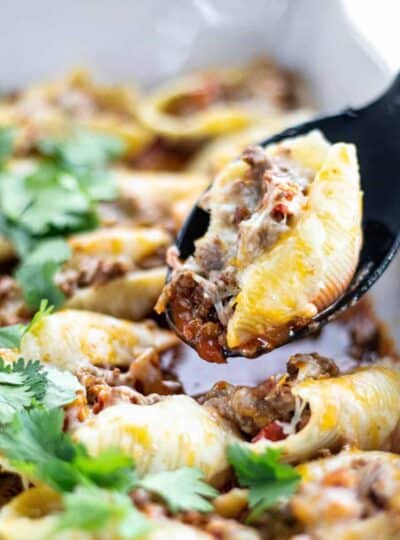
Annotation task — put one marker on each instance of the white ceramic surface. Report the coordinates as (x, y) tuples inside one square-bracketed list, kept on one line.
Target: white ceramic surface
[(155, 39)]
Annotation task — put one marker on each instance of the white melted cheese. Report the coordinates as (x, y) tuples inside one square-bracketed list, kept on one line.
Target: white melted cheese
[(169, 434)]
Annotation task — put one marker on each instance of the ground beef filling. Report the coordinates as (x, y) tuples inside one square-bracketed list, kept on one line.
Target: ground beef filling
[(261, 412), (256, 211), (143, 381), (196, 319), (86, 271), (356, 491), (165, 155), (264, 85)]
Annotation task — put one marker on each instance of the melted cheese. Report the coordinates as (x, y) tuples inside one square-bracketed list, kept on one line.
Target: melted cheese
[(131, 296), (358, 408), (313, 262), (72, 339), (172, 433)]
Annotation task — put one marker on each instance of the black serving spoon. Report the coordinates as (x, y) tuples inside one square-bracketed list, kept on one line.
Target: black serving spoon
[(375, 130)]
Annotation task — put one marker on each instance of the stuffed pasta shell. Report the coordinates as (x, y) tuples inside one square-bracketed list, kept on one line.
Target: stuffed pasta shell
[(283, 244), (218, 101), (156, 197), (116, 270), (49, 109), (352, 495), (73, 339), (213, 157), (171, 433), (313, 407)]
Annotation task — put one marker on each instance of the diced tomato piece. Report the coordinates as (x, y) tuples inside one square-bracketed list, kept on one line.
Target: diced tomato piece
[(272, 432)]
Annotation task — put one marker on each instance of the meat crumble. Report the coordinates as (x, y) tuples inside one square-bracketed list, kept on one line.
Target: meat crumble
[(260, 411)]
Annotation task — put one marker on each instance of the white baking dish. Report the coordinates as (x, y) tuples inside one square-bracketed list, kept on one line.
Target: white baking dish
[(153, 40)]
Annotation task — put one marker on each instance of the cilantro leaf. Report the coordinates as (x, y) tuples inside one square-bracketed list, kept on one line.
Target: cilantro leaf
[(61, 388), (36, 437), (55, 198), (21, 383), (83, 149), (44, 311), (32, 374), (36, 273), (24, 384), (89, 508), (46, 201), (10, 336), (35, 443), (7, 135), (12, 399), (85, 155), (182, 489), (19, 238), (110, 469), (268, 480)]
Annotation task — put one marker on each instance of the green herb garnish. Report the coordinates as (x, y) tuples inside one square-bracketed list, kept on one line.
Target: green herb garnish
[(269, 481)]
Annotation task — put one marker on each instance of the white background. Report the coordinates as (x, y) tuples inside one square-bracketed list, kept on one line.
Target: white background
[(379, 21)]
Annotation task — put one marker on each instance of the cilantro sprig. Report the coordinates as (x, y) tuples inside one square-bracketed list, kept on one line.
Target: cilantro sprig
[(37, 271), (26, 384), (21, 384), (94, 489), (89, 508), (40, 205), (86, 155), (35, 443), (182, 489), (11, 336), (37, 446), (269, 481)]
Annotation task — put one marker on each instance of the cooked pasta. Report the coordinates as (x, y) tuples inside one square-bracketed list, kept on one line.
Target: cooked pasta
[(352, 495), (72, 339), (215, 102), (109, 428), (282, 244), (166, 435)]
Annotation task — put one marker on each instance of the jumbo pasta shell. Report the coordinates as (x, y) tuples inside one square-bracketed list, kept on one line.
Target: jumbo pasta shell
[(329, 511), (311, 265), (131, 296), (137, 243), (357, 408), (215, 120), (167, 435), (71, 339), (218, 153), (43, 111), (159, 197), (217, 102), (282, 244)]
